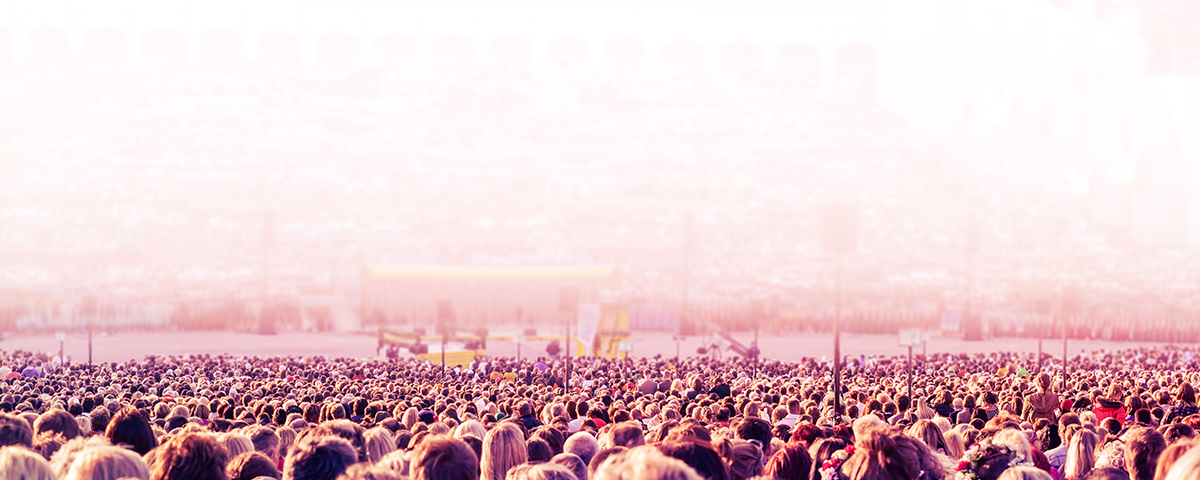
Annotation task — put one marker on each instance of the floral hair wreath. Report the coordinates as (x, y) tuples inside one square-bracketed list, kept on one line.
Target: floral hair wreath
[(969, 466), (831, 469)]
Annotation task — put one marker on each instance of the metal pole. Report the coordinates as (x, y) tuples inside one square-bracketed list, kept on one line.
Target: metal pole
[(567, 379), (837, 342), (62, 359), (910, 375), (89, 345)]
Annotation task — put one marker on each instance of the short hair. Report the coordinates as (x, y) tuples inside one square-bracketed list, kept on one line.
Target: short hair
[(319, 457), (264, 439), (628, 435), (190, 456), (755, 429), (58, 421), (14, 430), (346, 430), (251, 465), (19, 462), (444, 458), (573, 463), (107, 463), (582, 444), (1141, 453), (644, 463)]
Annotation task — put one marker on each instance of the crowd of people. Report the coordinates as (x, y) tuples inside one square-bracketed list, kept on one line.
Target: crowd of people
[(1127, 414)]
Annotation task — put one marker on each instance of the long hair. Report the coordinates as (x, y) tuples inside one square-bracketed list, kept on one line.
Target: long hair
[(1081, 455), (190, 456), (928, 432), (19, 462), (130, 427), (379, 443), (791, 462), (503, 448)]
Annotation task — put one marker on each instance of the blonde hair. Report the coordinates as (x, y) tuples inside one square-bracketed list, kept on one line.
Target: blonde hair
[(287, 437), (644, 463), (439, 428), (108, 463), (22, 463), (1081, 455), (410, 418), (503, 448), (1022, 472), (379, 443), (236, 443), (470, 428), (1014, 439)]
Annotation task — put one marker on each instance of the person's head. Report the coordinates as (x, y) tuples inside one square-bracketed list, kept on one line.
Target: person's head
[(236, 443), (319, 457), (444, 458), (545, 471), (14, 430), (1168, 458), (1081, 455), (190, 456), (791, 462), (644, 463), (1142, 449), (538, 450), (1111, 473), (1025, 473), (601, 457), (130, 427), (755, 430), (378, 443), (264, 439), (1185, 393), (251, 465), (107, 463), (929, 433), (698, 455), (1043, 382), (57, 421), (1187, 467), (571, 462), (628, 435), (21, 463), (582, 444), (503, 448), (883, 454)]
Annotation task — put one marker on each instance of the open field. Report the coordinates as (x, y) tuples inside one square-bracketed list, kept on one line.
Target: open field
[(792, 347)]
